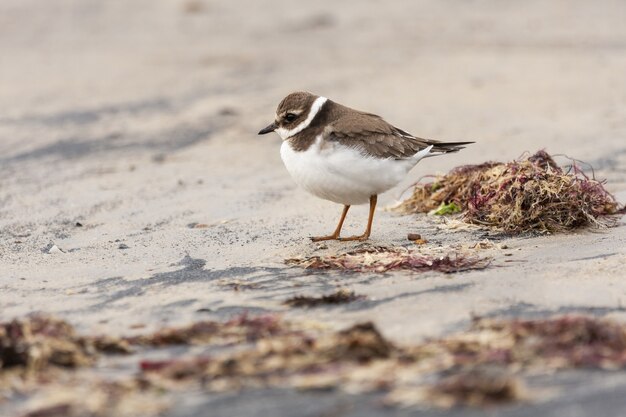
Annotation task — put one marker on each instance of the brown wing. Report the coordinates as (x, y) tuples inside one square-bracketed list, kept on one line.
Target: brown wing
[(373, 136)]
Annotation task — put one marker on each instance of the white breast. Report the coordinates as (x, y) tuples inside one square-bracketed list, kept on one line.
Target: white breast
[(341, 174)]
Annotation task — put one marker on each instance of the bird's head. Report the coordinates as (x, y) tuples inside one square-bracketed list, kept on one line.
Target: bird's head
[(294, 113)]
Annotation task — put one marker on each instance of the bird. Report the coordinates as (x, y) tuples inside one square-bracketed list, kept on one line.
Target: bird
[(344, 155)]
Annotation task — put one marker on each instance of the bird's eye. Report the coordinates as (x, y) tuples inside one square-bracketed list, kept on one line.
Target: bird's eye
[(290, 117)]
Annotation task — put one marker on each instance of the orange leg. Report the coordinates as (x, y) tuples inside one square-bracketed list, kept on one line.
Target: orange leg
[(368, 231), (335, 234)]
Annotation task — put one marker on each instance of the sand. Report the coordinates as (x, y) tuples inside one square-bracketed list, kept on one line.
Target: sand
[(124, 125)]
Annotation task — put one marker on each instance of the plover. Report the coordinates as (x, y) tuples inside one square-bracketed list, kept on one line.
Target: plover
[(344, 155)]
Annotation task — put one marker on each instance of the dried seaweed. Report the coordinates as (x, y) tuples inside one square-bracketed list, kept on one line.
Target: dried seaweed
[(479, 367), (239, 329), (532, 194), (561, 342), (78, 396), (482, 366), (384, 259), (480, 386), (278, 360), (341, 296), (39, 341)]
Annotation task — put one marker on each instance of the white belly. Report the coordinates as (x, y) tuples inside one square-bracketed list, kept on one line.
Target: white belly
[(337, 173)]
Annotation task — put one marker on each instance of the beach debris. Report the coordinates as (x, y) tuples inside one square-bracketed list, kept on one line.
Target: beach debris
[(54, 249), (242, 328), (36, 342), (123, 246), (446, 208), (39, 341), (384, 259), (483, 245), (283, 361), (341, 296), (196, 225), (532, 194), (78, 396), (416, 239), (484, 365), (477, 387), (560, 342), (452, 223), (110, 344)]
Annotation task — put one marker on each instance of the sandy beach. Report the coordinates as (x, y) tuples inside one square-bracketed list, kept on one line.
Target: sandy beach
[(128, 141)]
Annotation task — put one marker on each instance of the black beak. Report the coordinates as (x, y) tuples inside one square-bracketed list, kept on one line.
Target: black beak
[(268, 129)]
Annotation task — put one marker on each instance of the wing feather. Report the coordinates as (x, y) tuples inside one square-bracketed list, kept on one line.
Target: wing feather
[(373, 136)]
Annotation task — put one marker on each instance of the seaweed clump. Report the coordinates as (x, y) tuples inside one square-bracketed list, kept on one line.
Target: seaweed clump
[(532, 194), (301, 360), (37, 342), (482, 366), (560, 342), (480, 386), (242, 328), (384, 259), (342, 296)]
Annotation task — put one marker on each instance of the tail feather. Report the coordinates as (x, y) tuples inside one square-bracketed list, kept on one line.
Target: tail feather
[(437, 146), (448, 147)]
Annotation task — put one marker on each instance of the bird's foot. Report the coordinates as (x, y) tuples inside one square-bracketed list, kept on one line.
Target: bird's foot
[(323, 238), (361, 238)]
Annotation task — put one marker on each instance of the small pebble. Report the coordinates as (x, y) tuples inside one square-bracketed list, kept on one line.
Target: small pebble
[(197, 225), (159, 158), (55, 249), (414, 236), (228, 111), (123, 246)]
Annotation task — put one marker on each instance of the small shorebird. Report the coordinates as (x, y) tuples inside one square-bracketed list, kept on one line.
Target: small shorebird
[(344, 155)]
